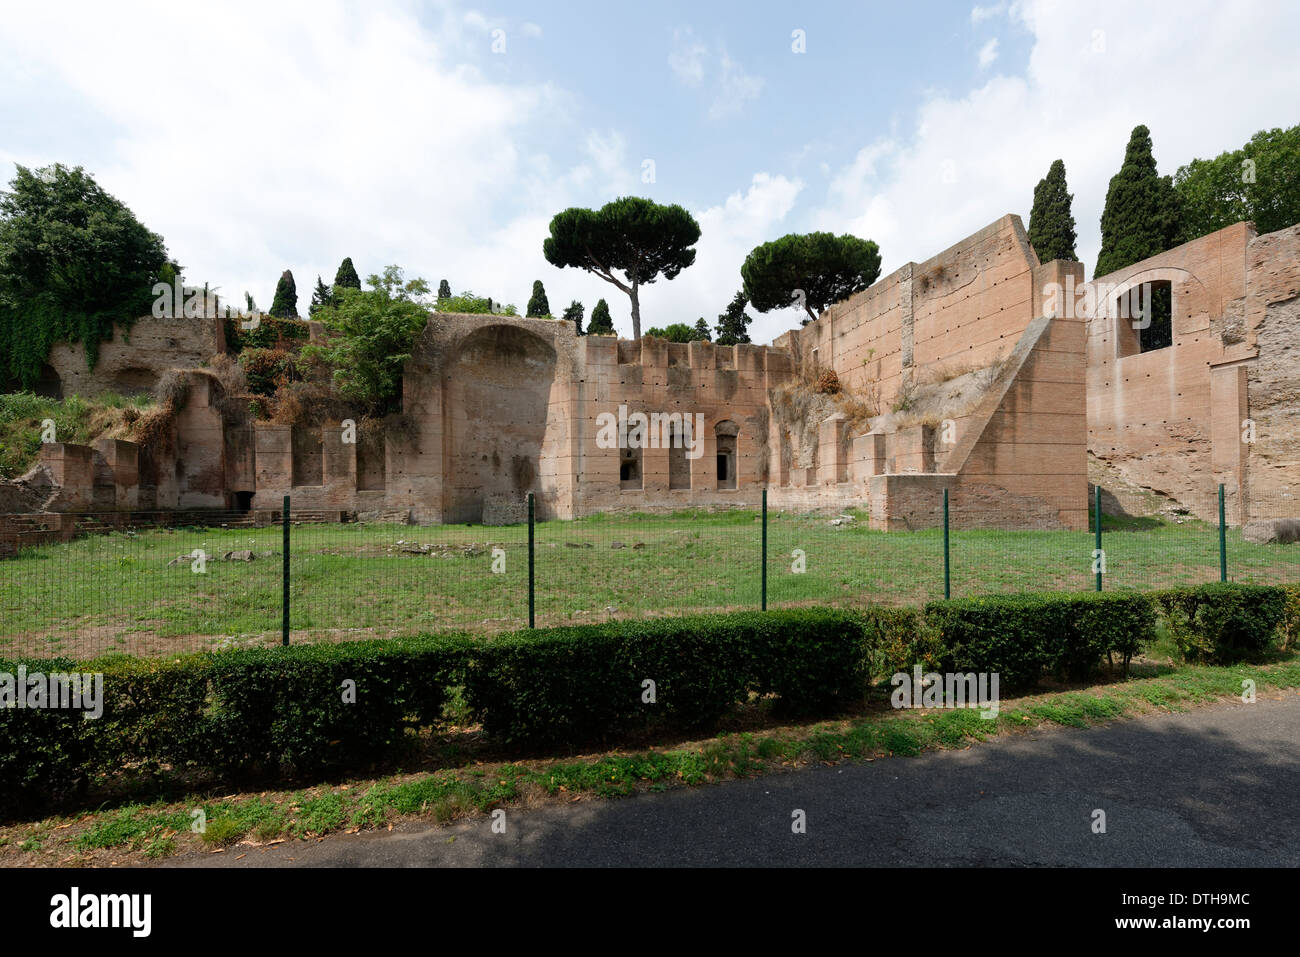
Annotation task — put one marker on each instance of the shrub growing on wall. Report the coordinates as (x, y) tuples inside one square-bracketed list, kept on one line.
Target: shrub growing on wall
[(371, 334), (73, 260), (265, 369)]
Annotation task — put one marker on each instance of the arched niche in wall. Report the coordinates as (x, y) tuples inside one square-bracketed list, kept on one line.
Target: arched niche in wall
[(497, 390)]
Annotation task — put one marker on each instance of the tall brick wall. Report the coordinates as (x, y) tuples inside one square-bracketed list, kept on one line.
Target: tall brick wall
[(1174, 419), (963, 308)]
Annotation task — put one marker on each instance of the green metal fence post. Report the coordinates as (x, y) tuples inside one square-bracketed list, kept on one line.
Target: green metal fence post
[(947, 564), (764, 564), (1223, 540), (531, 581), (1096, 519), (284, 611)]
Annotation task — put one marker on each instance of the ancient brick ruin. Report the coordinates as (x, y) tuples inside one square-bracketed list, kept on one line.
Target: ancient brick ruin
[(972, 372)]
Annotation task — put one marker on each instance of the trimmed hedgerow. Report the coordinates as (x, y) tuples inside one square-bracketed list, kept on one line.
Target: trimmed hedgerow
[(1022, 636), (315, 707), (1289, 629), (230, 713), (43, 751), (1223, 622), (312, 708), (810, 659), (899, 638), (589, 682)]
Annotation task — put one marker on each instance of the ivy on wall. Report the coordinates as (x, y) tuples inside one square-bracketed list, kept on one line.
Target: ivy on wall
[(74, 260)]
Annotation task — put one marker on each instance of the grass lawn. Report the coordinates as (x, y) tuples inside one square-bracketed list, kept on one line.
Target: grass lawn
[(117, 592)]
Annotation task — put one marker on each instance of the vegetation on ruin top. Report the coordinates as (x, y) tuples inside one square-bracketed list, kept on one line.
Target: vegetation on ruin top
[(76, 419)]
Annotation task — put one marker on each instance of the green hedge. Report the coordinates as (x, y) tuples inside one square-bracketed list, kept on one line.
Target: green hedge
[(1223, 623), (276, 710), (232, 713), (274, 707), (586, 682), (43, 752), (1022, 636), (897, 639)]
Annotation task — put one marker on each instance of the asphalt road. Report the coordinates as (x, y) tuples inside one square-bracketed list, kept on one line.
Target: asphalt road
[(1218, 786)]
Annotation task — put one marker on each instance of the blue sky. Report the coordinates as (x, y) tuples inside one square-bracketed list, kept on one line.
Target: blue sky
[(442, 136)]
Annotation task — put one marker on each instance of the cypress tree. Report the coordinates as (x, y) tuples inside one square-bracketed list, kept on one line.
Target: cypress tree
[(320, 298), (701, 330), (537, 304), (1051, 223), (573, 314), (1143, 214), (444, 290), (346, 277), (601, 324), (285, 303), (733, 323)]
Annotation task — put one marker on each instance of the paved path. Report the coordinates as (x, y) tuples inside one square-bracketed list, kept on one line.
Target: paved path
[(1216, 786)]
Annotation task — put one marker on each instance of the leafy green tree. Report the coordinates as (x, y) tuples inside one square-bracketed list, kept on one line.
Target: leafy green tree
[(1142, 214), (444, 290), (1051, 223), (320, 297), (733, 322), (1259, 182), (285, 303), (537, 304), (813, 270), (371, 333), (677, 332), (637, 237), (467, 302), (73, 261), (346, 277), (573, 314), (249, 302), (701, 330), (602, 324)]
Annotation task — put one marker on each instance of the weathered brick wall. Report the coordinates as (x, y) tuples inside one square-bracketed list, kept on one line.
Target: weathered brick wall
[(133, 360), (1173, 420), (963, 308)]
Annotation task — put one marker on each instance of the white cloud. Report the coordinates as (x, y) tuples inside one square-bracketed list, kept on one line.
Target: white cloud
[(988, 53), (687, 57), (979, 14), (691, 61), (378, 143), (1203, 76), (735, 89)]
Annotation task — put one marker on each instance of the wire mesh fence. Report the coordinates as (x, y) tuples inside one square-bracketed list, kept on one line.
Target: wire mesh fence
[(155, 584)]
